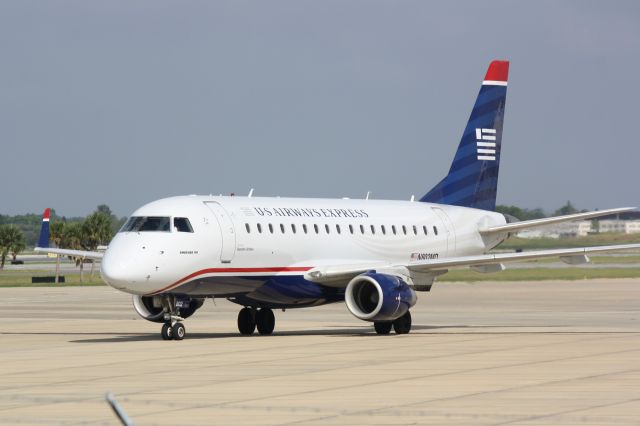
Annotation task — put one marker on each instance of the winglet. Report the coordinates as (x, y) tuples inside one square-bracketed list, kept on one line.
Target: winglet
[(43, 240)]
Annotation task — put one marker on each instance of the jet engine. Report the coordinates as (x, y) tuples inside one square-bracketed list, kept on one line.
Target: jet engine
[(150, 307), (379, 297)]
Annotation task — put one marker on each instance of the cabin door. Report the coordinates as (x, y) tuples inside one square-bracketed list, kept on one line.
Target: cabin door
[(227, 231)]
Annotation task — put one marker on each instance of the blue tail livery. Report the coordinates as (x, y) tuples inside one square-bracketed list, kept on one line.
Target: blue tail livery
[(43, 240), (473, 177)]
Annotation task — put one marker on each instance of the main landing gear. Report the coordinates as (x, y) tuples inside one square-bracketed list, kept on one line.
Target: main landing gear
[(401, 325), (250, 318)]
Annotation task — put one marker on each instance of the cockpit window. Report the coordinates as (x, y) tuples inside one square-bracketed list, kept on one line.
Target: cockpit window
[(147, 224), (182, 224)]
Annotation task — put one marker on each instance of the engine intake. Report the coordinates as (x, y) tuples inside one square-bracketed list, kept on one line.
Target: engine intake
[(150, 307), (379, 297)]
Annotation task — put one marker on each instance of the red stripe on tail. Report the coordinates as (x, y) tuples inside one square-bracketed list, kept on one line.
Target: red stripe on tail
[(498, 71)]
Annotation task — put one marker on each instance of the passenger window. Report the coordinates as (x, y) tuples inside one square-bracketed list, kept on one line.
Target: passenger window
[(415, 230), (271, 228), (373, 230), (315, 227), (424, 229), (182, 224), (435, 230), (282, 228), (384, 231), (393, 229), (293, 228), (351, 229), (259, 228), (304, 227), (246, 225), (362, 229), (326, 227), (404, 230), (338, 228)]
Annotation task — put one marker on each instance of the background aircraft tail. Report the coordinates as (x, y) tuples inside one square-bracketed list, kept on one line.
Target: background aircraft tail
[(43, 240), (473, 177)]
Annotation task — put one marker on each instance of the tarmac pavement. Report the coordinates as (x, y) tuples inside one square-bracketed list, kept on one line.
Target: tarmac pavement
[(538, 353)]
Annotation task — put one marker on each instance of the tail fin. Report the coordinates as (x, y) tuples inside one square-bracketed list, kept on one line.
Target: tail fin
[(473, 178), (43, 240)]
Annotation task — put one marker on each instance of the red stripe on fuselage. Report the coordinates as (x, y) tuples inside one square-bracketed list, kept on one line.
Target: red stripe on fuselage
[(233, 270)]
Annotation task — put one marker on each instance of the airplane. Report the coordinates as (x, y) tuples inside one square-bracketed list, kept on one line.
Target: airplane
[(267, 253)]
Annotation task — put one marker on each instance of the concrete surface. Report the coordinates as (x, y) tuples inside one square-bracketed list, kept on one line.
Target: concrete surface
[(482, 354)]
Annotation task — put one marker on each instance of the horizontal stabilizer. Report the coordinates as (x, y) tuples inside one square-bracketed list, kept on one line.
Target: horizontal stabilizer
[(526, 224)]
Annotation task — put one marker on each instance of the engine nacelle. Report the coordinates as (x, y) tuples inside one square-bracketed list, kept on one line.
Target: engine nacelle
[(150, 307), (379, 297)]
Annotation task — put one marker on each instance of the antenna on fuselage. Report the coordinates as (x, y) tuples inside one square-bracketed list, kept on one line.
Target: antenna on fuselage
[(250, 193), (368, 193), (413, 198)]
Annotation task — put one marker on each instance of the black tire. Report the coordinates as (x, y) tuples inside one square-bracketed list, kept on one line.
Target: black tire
[(166, 332), (266, 321), (403, 324), (246, 321), (383, 327), (179, 331)]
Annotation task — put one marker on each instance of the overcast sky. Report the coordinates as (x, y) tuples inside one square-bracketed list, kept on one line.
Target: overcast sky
[(124, 102)]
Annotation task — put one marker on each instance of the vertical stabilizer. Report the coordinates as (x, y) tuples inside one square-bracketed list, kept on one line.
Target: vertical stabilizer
[(473, 177), (43, 240)]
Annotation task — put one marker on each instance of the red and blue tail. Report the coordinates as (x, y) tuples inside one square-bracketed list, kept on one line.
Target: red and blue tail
[(43, 240), (473, 178)]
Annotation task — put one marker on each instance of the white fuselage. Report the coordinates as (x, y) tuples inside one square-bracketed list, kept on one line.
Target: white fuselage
[(238, 242)]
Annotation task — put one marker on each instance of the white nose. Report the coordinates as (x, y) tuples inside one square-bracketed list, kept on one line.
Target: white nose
[(116, 270)]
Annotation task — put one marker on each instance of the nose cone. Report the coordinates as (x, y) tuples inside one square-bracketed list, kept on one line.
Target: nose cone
[(115, 270), (120, 266)]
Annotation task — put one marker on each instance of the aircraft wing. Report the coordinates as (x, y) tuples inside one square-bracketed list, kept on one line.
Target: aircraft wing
[(526, 224), (339, 275), (67, 252)]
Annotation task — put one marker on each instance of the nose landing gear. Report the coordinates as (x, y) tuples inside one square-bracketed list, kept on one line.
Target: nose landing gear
[(172, 329), (249, 318)]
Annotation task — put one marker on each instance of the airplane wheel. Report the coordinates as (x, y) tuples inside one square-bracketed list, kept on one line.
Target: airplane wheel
[(246, 321), (179, 331), (403, 324), (266, 321), (382, 327), (166, 332)]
